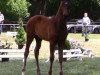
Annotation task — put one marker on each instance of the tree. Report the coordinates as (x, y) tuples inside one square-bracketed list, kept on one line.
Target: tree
[(43, 7), (14, 9), (78, 7), (20, 37), (52, 7), (37, 7)]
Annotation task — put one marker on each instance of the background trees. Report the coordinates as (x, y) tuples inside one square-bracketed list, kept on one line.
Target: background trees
[(92, 7), (12, 9), (44, 7)]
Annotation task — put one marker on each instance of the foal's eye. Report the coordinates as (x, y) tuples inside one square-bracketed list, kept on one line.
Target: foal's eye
[(66, 3)]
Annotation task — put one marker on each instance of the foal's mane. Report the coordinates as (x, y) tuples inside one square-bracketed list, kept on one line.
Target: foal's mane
[(59, 9), (59, 16)]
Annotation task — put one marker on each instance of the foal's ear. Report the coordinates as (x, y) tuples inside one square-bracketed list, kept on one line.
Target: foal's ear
[(63, 0), (66, 0)]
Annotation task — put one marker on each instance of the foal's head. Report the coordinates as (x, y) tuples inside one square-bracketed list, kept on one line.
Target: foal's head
[(65, 7)]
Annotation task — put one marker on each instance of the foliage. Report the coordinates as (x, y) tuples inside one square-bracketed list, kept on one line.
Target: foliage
[(20, 37), (72, 44), (13, 9), (78, 7), (52, 5), (67, 43), (45, 6), (32, 7)]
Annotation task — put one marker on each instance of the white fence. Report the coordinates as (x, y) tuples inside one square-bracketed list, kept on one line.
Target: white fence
[(69, 25), (10, 26), (74, 27)]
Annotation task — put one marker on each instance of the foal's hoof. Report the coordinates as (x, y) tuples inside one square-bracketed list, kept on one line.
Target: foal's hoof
[(50, 73), (61, 73), (23, 73), (38, 73)]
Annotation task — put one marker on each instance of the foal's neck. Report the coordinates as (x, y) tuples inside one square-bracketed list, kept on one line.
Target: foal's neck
[(59, 16)]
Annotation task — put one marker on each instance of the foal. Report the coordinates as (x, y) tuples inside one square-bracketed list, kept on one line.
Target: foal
[(53, 30)]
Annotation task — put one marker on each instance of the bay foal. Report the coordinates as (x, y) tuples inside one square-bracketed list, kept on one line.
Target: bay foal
[(53, 30)]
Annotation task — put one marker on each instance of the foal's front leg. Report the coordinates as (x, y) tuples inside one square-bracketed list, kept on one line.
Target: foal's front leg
[(52, 45), (60, 58)]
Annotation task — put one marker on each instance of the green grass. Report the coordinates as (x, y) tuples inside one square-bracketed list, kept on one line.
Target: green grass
[(72, 67)]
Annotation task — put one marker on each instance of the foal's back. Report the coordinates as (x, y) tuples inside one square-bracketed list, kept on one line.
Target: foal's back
[(42, 26)]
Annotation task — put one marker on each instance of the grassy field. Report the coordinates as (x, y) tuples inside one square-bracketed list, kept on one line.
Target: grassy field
[(72, 67)]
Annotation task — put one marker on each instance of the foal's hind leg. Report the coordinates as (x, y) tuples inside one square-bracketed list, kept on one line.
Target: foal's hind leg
[(36, 52), (29, 41)]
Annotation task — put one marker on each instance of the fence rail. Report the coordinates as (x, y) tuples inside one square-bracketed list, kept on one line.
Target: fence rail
[(82, 25), (69, 24), (11, 24), (78, 28), (66, 24), (10, 27)]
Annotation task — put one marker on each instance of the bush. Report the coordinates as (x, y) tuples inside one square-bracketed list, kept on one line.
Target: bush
[(20, 37), (67, 44)]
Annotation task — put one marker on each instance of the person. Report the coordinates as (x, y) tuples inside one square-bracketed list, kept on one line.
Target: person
[(1, 21), (86, 21)]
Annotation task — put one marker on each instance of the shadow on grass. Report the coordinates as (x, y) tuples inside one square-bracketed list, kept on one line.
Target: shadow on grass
[(73, 67)]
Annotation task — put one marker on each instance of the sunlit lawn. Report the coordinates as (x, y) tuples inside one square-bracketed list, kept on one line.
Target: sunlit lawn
[(78, 36), (93, 43)]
